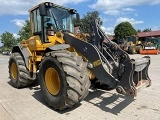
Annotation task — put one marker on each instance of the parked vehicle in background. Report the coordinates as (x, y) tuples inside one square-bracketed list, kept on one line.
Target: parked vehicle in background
[(151, 46), (6, 53), (131, 44), (157, 43)]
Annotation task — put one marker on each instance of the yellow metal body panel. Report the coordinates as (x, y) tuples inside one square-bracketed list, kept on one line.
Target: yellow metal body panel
[(34, 43), (36, 48)]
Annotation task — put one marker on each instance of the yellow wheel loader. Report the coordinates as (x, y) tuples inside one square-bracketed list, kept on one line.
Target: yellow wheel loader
[(65, 64), (132, 45)]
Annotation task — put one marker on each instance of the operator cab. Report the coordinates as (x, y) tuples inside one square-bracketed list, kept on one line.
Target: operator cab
[(131, 39), (48, 18)]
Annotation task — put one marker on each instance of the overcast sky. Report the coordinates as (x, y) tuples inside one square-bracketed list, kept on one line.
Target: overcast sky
[(140, 13)]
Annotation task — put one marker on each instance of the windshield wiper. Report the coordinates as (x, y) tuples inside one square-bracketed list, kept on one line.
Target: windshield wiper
[(56, 21)]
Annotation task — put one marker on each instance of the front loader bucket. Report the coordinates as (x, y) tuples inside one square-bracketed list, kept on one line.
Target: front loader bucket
[(135, 77)]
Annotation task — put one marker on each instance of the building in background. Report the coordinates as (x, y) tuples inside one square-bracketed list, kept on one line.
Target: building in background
[(143, 35)]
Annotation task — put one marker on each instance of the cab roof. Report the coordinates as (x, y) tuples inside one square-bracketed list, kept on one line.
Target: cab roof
[(49, 3)]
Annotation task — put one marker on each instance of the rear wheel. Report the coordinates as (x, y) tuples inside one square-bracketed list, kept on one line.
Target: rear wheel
[(132, 50), (18, 72), (64, 79), (139, 48)]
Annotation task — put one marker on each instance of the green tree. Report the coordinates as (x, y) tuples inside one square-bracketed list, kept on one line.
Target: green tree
[(124, 29), (139, 30), (8, 40), (87, 19), (147, 30), (25, 31)]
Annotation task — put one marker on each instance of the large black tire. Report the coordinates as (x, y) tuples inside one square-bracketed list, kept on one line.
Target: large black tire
[(131, 49), (71, 76), (18, 72), (139, 48)]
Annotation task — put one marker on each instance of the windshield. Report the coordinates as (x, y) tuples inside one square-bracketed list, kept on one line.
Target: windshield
[(62, 19), (131, 39), (157, 40)]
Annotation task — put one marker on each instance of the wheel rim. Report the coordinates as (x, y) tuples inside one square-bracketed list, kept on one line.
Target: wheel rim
[(52, 81), (14, 71), (134, 50)]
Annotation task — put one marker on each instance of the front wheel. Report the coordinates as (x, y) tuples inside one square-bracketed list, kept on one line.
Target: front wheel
[(64, 79), (132, 50), (139, 48)]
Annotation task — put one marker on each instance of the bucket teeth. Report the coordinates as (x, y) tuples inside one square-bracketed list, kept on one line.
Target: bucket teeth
[(135, 77)]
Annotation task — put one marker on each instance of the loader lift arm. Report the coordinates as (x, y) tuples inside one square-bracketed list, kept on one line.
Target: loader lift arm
[(110, 64)]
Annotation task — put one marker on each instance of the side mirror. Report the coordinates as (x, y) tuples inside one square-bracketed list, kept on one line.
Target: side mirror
[(78, 17), (42, 10)]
